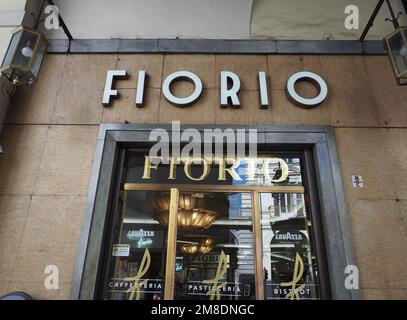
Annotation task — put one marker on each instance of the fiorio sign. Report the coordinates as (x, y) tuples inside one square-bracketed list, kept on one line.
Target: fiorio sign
[(229, 88), (251, 168)]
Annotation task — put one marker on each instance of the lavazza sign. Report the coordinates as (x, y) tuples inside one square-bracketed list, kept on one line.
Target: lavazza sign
[(229, 88)]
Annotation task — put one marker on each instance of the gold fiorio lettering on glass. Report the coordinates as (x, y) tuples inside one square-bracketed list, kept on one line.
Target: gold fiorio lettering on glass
[(173, 171), (297, 275), (284, 170), (148, 165), (137, 282), (226, 167), (223, 169), (214, 292), (188, 168)]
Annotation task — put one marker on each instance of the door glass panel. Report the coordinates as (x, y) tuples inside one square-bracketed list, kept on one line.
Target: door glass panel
[(264, 170), (214, 258), (136, 265), (289, 261)]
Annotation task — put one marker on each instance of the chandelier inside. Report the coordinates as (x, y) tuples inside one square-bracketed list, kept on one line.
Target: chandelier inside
[(203, 247), (195, 218), (195, 210)]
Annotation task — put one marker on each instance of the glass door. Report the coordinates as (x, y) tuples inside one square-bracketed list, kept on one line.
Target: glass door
[(250, 236), (214, 254), (137, 257), (171, 244), (289, 259)]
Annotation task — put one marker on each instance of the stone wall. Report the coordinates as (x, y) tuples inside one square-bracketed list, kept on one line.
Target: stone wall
[(51, 129)]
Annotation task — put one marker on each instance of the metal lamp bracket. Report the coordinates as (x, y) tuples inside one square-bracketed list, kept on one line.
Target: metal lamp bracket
[(395, 19)]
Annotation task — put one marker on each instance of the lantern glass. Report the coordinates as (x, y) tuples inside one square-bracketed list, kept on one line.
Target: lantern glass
[(396, 45), (12, 48), (25, 51), (24, 56), (42, 48)]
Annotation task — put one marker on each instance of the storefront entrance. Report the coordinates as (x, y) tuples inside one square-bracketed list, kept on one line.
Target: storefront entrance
[(267, 226), (245, 233)]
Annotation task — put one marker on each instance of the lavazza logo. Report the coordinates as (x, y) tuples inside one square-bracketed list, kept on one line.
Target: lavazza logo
[(289, 236), (136, 234)]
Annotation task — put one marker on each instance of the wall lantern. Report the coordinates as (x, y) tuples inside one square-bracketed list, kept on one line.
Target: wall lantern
[(396, 45), (24, 56)]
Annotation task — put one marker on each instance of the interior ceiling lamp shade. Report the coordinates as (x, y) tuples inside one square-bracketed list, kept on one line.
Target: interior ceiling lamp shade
[(205, 246), (194, 210)]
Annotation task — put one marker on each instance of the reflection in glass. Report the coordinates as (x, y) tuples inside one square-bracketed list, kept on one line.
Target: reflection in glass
[(25, 50), (288, 255), (399, 51), (214, 258), (216, 262), (138, 252), (265, 170)]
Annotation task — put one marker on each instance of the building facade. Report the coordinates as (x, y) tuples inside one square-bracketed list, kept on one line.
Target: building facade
[(79, 192)]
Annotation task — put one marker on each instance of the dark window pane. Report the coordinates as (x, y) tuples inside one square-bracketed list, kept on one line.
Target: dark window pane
[(288, 253), (216, 261), (138, 252)]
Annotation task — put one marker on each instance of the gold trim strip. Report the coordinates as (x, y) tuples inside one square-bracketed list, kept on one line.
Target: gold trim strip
[(171, 246), (213, 188), (258, 248)]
